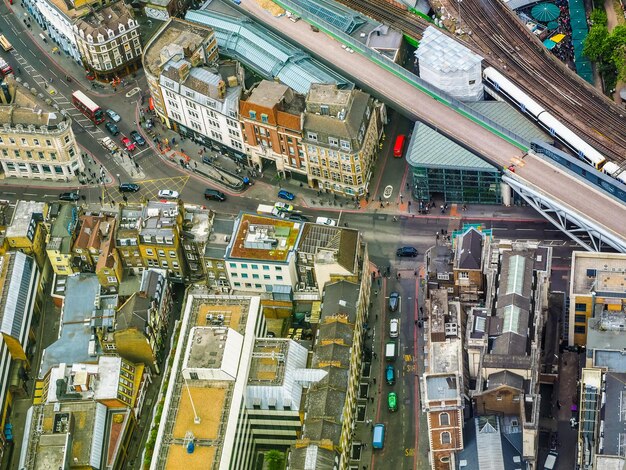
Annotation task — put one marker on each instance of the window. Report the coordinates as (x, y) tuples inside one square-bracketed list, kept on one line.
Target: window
[(258, 286), (444, 419), (580, 319), (279, 278), (333, 142), (581, 307), (172, 254), (345, 144), (324, 110), (244, 275), (253, 115), (255, 276), (264, 118), (463, 275), (244, 266), (149, 252), (446, 438), (579, 329), (266, 268), (311, 136), (266, 277), (233, 265), (111, 279), (278, 268), (254, 266), (237, 284)]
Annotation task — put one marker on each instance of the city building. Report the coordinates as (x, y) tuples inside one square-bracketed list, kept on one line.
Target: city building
[(443, 383), (597, 289), (341, 132), (508, 337), (127, 237), (272, 116), (37, 140), (64, 219), (327, 254), (138, 332), (76, 434), (27, 232), (261, 257), (188, 40), (84, 310), (205, 402), (109, 42), (20, 304), (197, 223), (332, 400), (471, 248), (160, 246), (164, 10), (214, 251), (439, 268)]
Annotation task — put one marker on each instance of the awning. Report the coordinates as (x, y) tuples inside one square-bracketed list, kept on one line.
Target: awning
[(549, 43), (545, 12), (557, 38)]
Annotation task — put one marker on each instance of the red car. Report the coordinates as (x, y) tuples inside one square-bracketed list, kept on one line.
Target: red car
[(128, 144)]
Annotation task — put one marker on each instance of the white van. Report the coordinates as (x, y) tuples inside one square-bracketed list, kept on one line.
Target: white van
[(550, 461), (393, 327)]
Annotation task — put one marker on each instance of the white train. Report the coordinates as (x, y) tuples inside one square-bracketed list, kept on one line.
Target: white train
[(555, 127)]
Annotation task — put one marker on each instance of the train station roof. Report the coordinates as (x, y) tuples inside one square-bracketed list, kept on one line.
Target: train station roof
[(511, 119), (333, 13), (259, 49)]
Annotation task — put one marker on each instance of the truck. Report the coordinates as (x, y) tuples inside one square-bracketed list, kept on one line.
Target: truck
[(390, 351), (266, 209), (108, 144), (378, 439)]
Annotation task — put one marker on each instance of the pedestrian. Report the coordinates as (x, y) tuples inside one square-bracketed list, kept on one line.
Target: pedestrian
[(558, 404), (376, 293), (372, 399), (416, 322), (415, 273), (376, 320), (374, 380)]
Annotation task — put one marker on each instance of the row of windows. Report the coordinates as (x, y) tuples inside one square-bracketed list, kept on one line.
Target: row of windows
[(248, 285), (150, 251), (164, 264), (332, 141), (316, 152), (29, 154), (33, 168), (265, 267), (266, 277), (35, 142)]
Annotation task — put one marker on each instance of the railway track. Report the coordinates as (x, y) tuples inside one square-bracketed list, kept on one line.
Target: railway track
[(504, 42)]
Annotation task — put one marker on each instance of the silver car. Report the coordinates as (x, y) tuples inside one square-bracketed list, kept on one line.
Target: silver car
[(113, 115)]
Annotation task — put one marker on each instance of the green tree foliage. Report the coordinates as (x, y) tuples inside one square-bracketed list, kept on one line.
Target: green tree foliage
[(596, 42), (274, 460), (598, 17), (607, 48)]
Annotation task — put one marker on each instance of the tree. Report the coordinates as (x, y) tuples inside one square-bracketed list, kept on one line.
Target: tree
[(596, 43), (274, 460), (598, 17)]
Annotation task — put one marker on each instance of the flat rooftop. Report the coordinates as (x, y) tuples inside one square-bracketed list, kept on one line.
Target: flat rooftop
[(602, 272), (22, 215), (159, 219), (441, 387), (264, 238), (268, 367)]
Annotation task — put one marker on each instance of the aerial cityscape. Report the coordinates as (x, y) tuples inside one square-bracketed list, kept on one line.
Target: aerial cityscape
[(313, 235)]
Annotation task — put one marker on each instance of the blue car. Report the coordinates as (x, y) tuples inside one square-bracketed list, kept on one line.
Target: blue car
[(284, 194)]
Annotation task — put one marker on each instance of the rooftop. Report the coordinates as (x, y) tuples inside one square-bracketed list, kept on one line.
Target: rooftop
[(18, 275), (598, 272), (441, 387), (24, 212), (269, 94), (606, 332), (83, 307), (221, 232), (340, 299), (330, 245), (264, 238), (266, 53), (160, 219), (441, 52), (104, 19), (62, 228), (188, 35), (469, 250), (25, 108)]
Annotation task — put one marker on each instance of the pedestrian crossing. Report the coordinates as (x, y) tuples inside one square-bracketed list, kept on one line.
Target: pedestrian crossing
[(53, 96)]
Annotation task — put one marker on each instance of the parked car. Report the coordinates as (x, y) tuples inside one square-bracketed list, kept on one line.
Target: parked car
[(406, 251), (128, 144), (214, 195), (168, 194), (284, 194), (129, 188), (392, 401), (390, 375), (113, 115), (69, 197), (298, 217), (138, 138), (394, 325), (283, 206), (112, 128), (326, 221), (394, 301)]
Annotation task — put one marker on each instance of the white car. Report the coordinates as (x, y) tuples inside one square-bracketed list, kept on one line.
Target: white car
[(283, 207), (168, 194), (326, 221), (393, 328)]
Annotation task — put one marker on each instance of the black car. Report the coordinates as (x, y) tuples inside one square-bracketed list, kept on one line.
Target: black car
[(129, 188), (138, 138), (214, 195), (112, 128), (298, 217), (394, 301), (406, 251), (69, 197)]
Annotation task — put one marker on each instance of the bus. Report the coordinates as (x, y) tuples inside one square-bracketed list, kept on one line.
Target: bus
[(86, 106), (5, 44), (398, 148)]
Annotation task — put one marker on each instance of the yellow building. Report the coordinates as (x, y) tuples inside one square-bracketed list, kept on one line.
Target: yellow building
[(597, 287), (59, 241), (159, 238), (27, 232), (127, 237)]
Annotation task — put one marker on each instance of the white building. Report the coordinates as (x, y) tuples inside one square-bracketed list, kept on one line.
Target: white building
[(57, 19), (450, 66), (203, 102), (261, 256)]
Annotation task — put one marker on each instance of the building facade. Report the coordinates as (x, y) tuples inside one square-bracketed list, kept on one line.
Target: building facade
[(61, 239), (127, 237), (27, 232), (272, 116), (37, 142), (109, 42), (341, 132)]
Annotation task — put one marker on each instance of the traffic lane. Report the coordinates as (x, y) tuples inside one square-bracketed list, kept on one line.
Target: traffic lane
[(400, 425)]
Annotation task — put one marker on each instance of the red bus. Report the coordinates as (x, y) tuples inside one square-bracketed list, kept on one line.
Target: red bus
[(86, 106), (398, 148)]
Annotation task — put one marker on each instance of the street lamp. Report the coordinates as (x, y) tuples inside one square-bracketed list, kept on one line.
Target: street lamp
[(118, 178)]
